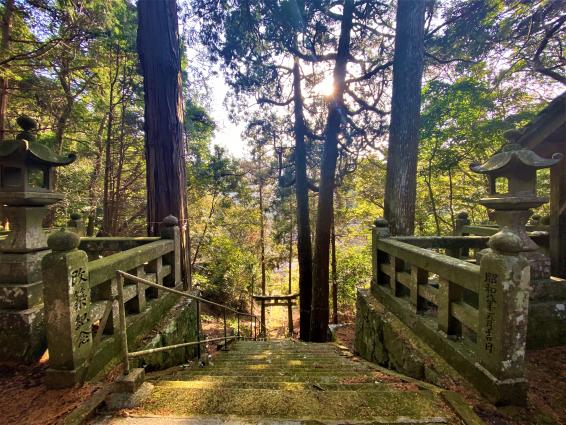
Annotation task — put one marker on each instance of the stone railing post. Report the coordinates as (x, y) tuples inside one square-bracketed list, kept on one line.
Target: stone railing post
[(76, 224), (380, 230), (503, 312), (170, 230), (67, 309), (460, 222)]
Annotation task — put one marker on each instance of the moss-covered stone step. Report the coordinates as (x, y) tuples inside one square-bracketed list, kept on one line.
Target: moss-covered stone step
[(232, 420), (393, 405), (321, 378), (289, 386), (289, 362), (279, 356), (284, 346), (269, 374)]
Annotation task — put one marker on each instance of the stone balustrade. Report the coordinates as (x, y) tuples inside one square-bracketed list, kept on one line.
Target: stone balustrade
[(475, 316), (77, 292)]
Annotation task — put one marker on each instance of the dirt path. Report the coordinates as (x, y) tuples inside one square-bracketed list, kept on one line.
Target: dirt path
[(24, 398)]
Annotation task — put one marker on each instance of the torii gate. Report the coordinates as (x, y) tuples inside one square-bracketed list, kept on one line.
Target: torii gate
[(276, 301)]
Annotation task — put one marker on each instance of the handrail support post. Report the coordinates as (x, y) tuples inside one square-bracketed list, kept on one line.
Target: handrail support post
[(122, 316)]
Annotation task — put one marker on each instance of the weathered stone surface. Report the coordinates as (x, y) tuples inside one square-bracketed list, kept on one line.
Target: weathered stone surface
[(547, 324), (384, 339), (141, 328), (21, 268), (177, 327), (23, 336), (20, 296), (27, 232), (128, 400), (442, 358), (503, 313), (131, 382), (67, 307)]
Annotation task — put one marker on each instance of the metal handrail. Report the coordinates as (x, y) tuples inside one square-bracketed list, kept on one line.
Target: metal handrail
[(121, 276)]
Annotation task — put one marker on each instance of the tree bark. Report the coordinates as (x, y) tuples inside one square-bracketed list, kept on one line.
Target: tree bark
[(4, 84), (160, 58), (320, 301), (334, 276), (401, 181), (93, 180), (262, 243), (109, 165), (290, 248), (304, 245)]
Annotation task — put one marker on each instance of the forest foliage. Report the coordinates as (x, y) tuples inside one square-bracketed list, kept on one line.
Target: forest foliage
[(490, 65)]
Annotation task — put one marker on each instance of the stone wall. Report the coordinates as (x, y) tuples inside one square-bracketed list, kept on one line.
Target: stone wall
[(383, 339), (177, 327)]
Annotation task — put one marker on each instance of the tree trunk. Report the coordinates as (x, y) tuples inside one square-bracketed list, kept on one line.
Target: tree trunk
[(262, 243), (334, 276), (290, 248), (320, 302), (203, 235), (93, 180), (107, 208), (160, 58), (304, 245), (4, 84), (401, 182)]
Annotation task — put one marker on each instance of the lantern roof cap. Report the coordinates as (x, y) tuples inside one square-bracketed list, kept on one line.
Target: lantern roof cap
[(35, 151), (512, 154)]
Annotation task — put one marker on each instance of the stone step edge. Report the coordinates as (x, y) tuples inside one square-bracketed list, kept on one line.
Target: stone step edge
[(256, 420), (300, 386)]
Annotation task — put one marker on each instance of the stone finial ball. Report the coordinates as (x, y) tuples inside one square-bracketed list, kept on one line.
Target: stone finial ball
[(26, 123), (62, 240), (506, 241), (463, 215), (381, 222), (76, 216), (171, 221)]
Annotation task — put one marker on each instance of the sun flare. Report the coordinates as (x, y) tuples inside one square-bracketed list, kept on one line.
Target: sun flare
[(325, 87)]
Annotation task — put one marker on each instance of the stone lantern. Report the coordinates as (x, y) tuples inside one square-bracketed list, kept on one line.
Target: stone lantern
[(27, 168), (26, 189), (512, 176)]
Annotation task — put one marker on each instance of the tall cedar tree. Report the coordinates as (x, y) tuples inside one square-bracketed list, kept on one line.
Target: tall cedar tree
[(304, 246), (158, 48), (6, 29), (336, 115), (401, 182)]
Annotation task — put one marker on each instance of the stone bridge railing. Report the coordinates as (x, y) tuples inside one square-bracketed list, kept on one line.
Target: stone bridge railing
[(78, 291), (472, 315)]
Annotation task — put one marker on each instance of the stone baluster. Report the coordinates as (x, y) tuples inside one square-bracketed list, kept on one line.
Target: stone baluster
[(448, 293), (460, 222), (503, 312), (67, 309), (170, 230), (155, 267), (379, 231)]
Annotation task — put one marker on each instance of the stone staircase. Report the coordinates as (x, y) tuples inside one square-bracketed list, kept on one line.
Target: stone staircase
[(288, 382)]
